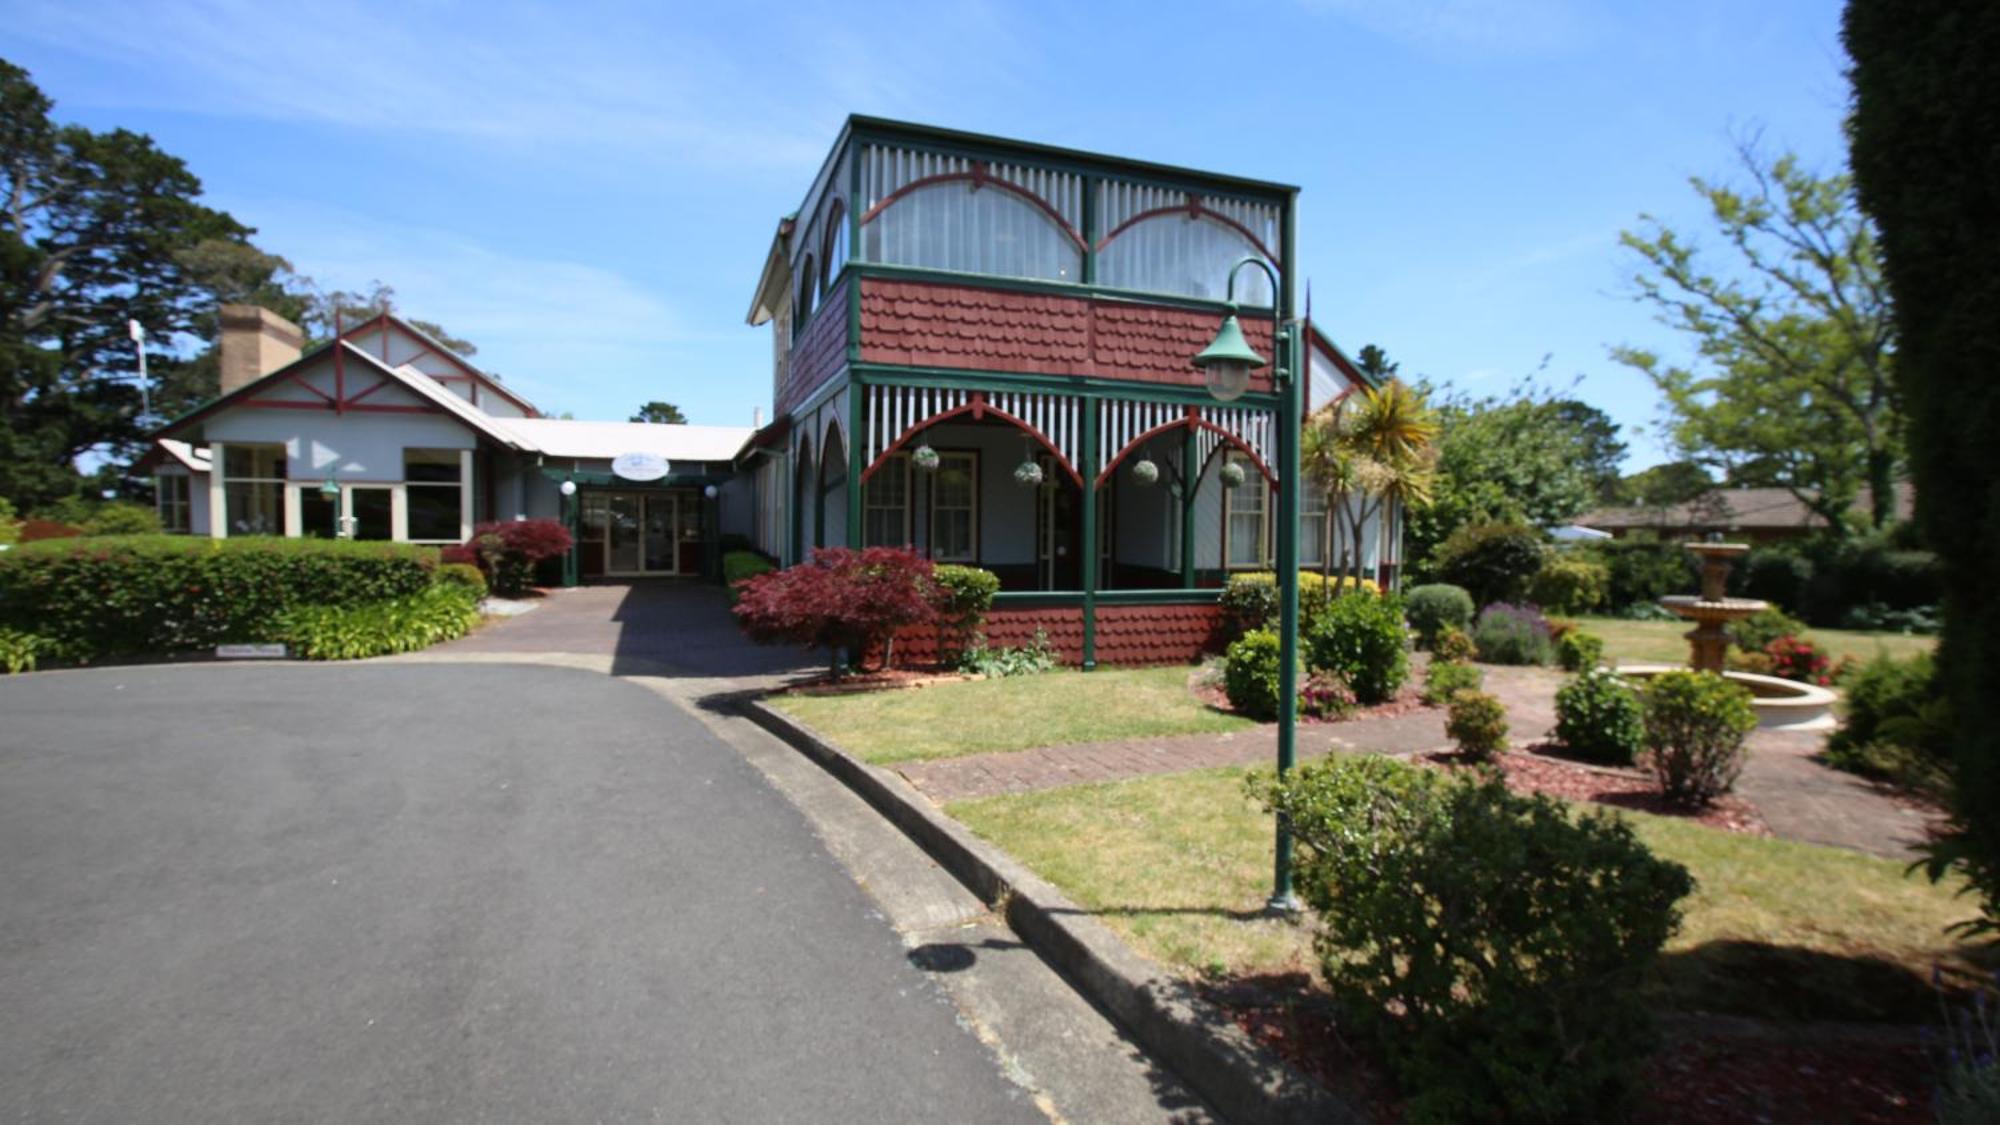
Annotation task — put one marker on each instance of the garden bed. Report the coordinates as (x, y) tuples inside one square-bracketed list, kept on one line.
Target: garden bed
[(1540, 769)]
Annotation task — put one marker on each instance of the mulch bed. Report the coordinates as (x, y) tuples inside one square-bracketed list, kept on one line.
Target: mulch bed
[(1715, 1079), (882, 679), (1410, 699), (1535, 770)]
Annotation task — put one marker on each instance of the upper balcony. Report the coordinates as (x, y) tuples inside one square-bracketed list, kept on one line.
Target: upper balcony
[(1073, 242)]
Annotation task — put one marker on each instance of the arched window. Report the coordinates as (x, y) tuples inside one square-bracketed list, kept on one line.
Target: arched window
[(1184, 252), (802, 304), (833, 257), (972, 226)]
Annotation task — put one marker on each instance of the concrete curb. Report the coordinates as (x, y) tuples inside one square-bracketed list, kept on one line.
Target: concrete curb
[(1240, 1078)]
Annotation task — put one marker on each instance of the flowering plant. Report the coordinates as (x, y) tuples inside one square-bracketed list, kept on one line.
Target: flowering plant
[(1795, 658)]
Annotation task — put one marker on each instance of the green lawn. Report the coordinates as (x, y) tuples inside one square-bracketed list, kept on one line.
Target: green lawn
[(1665, 642), (948, 720), (1181, 863)]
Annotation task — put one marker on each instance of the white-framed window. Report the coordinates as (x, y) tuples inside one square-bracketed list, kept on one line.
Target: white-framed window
[(955, 507), (253, 489), (885, 505), (971, 227), (171, 493), (435, 482), (802, 305), (835, 258), (1246, 518), (1312, 527)]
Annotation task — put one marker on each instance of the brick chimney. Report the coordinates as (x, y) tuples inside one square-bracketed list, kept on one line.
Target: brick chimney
[(255, 342)]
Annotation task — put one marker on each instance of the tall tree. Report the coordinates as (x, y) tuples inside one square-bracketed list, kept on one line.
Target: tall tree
[(1794, 335), (1926, 155), (1375, 363), (664, 412), (1528, 456), (326, 311), (93, 229)]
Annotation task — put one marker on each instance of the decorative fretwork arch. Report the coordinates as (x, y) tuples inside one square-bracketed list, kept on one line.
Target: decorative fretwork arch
[(896, 415), (1125, 426)]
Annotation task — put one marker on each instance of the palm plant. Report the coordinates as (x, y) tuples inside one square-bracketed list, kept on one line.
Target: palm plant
[(1372, 451)]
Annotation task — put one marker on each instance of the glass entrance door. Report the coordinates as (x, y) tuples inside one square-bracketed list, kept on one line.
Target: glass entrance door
[(639, 534)]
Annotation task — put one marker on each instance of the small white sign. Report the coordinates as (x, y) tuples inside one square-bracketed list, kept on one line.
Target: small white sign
[(251, 652), (639, 466)]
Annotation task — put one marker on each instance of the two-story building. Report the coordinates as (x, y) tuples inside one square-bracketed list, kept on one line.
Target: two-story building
[(982, 349)]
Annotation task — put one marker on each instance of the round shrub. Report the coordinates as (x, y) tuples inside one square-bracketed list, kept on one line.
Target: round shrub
[(1477, 723), (1752, 633), (1360, 637), (1436, 607), (964, 594), (1512, 634), (464, 576), (1577, 650), (1446, 678), (1571, 584), (1250, 675), (1530, 1007), (1695, 726), (1493, 561), (1599, 719), (1454, 646)]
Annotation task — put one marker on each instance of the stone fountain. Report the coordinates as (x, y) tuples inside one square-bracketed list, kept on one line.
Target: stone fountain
[(1780, 704)]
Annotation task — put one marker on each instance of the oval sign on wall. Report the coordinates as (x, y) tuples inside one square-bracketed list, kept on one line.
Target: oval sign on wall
[(639, 466)]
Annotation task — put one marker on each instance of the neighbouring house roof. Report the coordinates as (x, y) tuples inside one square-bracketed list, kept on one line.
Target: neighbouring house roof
[(1726, 508), (598, 441)]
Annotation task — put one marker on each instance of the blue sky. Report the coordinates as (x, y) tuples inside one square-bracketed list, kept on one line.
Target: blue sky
[(587, 191)]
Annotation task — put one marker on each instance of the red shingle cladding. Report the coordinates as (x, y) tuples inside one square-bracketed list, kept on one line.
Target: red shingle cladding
[(926, 324), (1127, 635), (818, 354)]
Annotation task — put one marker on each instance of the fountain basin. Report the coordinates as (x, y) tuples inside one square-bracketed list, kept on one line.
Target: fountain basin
[(1780, 704)]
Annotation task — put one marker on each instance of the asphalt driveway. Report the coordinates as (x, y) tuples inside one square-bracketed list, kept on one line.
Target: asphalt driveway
[(435, 892)]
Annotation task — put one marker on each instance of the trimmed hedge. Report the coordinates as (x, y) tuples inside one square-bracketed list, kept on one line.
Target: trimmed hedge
[(1436, 607), (1250, 599), (91, 598), (1361, 638), (356, 632)]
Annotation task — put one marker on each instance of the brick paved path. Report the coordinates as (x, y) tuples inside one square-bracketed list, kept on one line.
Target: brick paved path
[(1800, 799)]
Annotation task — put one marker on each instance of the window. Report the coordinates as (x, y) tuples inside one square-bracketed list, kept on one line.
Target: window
[(170, 496), (802, 305), (972, 228), (885, 505), (1312, 527), (955, 508), (835, 258), (1189, 256), (253, 489), (434, 481), (319, 514), (1245, 525)]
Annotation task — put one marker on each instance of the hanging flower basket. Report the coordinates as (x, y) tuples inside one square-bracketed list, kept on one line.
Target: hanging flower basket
[(925, 458), (1232, 475), (1027, 474), (1145, 472)]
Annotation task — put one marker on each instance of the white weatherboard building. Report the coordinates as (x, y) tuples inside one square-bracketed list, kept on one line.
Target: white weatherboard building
[(386, 434)]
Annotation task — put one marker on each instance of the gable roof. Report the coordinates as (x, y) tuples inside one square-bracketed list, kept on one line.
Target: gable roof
[(418, 383), (484, 378)]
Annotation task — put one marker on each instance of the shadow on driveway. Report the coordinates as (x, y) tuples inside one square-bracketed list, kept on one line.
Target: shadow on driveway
[(659, 627)]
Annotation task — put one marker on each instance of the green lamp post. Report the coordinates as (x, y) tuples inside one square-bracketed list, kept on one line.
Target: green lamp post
[(569, 563), (1226, 363), (331, 491)]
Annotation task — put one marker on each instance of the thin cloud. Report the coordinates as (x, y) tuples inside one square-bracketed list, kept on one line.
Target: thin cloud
[(545, 324)]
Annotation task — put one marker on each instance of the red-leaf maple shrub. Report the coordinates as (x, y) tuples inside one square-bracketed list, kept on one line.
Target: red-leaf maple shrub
[(839, 599), (506, 551)]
